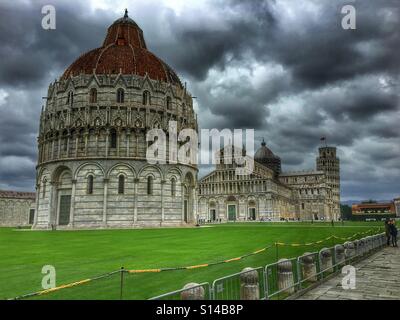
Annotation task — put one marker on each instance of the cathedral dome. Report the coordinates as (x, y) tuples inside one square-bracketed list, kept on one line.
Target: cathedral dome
[(123, 51), (266, 157), (263, 153)]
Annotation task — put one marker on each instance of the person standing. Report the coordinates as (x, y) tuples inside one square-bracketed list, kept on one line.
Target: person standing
[(387, 231), (393, 233)]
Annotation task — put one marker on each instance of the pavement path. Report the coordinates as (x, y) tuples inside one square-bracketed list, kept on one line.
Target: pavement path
[(377, 278)]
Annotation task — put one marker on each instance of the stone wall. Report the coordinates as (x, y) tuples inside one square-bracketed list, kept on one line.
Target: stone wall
[(15, 208)]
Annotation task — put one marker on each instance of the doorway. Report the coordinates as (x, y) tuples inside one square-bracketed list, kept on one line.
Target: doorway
[(212, 215), (252, 214), (232, 212), (64, 210)]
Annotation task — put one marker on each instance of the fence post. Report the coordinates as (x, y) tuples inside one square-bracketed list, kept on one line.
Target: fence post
[(122, 271), (326, 260), (285, 276), (249, 285), (194, 292), (349, 250), (309, 270), (339, 256)]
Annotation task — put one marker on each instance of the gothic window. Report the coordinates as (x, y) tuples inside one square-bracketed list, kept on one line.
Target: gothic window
[(90, 184), (93, 95), (121, 184), (149, 185), (113, 139), (169, 106), (120, 96), (146, 98), (173, 187), (70, 98), (302, 206)]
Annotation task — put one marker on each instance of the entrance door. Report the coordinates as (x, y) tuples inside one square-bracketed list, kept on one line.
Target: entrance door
[(31, 216), (185, 211), (212, 215), (231, 212), (65, 208), (252, 214)]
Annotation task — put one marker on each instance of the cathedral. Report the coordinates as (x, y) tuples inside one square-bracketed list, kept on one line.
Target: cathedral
[(93, 170), (268, 194)]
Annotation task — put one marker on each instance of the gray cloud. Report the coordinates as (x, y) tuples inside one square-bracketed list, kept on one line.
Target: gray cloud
[(285, 68)]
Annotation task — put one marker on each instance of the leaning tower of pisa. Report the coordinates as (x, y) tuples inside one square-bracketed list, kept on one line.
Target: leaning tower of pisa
[(328, 162)]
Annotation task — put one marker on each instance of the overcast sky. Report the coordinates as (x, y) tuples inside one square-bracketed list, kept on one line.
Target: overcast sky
[(285, 68)]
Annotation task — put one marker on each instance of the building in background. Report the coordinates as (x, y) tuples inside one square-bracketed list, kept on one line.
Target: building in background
[(16, 208), (268, 193), (373, 210)]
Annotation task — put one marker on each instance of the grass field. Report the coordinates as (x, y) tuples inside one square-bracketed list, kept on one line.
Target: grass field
[(78, 255)]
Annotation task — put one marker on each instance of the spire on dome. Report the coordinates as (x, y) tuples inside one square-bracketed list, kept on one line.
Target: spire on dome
[(263, 143), (126, 13)]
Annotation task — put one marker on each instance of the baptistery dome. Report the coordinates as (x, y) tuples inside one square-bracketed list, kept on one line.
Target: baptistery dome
[(93, 169), (123, 51)]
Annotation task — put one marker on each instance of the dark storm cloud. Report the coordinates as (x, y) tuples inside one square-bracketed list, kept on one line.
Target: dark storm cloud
[(285, 68), (29, 53)]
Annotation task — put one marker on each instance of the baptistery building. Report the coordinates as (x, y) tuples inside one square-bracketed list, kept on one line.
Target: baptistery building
[(92, 168)]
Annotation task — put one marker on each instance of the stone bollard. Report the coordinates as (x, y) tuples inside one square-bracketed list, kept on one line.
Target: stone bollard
[(285, 276), (326, 259), (309, 269), (349, 250), (339, 255), (197, 293), (356, 247), (361, 244), (249, 286)]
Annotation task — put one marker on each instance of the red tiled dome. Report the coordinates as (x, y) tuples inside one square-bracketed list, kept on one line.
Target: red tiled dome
[(124, 50)]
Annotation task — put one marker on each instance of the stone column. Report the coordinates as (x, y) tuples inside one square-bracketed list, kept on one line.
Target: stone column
[(76, 145), (59, 147), (135, 212), (52, 206), (128, 141), (249, 285), (107, 137), (183, 201), (105, 202), (67, 156), (309, 269), (162, 200), (72, 211), (193, 292), (86, 142), (349, 250), (285, 276), (326, 260), (339, 255), (37, 197)]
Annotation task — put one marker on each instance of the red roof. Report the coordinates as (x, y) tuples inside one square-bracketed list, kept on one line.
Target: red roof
[(124, 50), (17, 195)]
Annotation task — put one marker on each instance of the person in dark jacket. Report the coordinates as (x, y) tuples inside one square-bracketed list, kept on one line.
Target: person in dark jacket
[(387, 231), (393, 233)]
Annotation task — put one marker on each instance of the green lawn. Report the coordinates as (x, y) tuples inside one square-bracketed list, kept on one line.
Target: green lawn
[(78, 255)]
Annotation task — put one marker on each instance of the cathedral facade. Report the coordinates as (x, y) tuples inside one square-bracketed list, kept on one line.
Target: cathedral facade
[(268, 194), (92, 168)]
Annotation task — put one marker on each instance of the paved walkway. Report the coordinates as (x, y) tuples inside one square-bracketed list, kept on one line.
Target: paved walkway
[(377, 278)]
